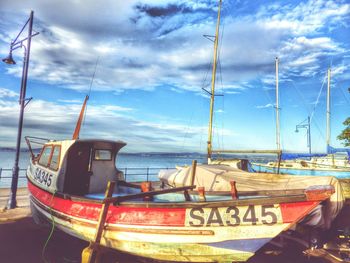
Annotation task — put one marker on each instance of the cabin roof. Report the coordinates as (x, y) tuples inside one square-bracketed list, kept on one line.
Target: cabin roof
[(67, 144), (101, 140), (120, 143)]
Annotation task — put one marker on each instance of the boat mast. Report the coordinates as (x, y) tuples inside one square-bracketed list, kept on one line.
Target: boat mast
[(328, 136), (278, 143), (80, 120), (212, 94)]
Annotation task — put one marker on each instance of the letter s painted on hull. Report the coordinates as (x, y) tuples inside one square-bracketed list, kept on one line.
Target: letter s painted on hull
[(197, 214)]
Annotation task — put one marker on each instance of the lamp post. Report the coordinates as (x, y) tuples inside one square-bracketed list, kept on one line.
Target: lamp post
[(308, 130), (15, 44)]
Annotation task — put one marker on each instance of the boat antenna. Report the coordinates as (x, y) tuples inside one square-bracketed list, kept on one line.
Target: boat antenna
[(212, 94), (92, 80), (83, 110)]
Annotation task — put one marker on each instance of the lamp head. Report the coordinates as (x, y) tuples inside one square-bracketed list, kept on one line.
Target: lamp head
[(9, 59), (296, 130)]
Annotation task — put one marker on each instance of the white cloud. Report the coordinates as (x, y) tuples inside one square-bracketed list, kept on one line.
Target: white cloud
[(141, 51), (338, 70), (269, 105), (6, 93), (55, 121)]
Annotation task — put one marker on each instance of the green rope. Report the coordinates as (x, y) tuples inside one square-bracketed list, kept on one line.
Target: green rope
[(51, 232)]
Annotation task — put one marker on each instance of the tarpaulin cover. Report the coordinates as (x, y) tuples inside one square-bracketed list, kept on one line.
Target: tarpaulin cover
[(218, 177)]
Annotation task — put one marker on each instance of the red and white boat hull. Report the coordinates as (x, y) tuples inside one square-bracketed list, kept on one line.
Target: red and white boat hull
[(195, 233)]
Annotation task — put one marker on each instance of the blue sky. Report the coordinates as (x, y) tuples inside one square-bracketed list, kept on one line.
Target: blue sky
[(153, 62)]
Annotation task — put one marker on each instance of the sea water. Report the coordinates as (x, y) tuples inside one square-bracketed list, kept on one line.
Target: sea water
[(135, 166)]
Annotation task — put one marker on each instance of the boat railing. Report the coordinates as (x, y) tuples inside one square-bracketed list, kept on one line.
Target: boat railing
[(138, 174), (131, 174), (6, 173)]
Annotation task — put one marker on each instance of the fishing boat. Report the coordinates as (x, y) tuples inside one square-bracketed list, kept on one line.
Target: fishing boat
[(68, 179)]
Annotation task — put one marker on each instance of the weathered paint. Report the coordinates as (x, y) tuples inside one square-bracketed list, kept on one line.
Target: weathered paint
[(167, 233)]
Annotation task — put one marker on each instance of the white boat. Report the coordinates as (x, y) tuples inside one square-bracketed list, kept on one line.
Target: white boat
[(335, 163)]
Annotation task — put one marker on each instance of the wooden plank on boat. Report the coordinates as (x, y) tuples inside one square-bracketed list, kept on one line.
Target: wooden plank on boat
[(245, 202), (270, 193), (89, 254), (119, 199), (128, 184)]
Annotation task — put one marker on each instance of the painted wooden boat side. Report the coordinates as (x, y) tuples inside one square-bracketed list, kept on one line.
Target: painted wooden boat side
[(182, 233)]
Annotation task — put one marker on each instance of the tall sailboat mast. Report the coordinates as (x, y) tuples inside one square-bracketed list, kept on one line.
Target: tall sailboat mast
[(328, 129), (278, 141), (213, 77)]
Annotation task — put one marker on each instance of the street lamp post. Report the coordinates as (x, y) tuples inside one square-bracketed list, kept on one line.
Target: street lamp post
[(15, 44), (308, 130)]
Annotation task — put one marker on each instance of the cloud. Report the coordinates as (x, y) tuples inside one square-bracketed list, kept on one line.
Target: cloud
[(269, 105), (6, 93), (55, 121), (152, 45), (143, 45), (340, 69)]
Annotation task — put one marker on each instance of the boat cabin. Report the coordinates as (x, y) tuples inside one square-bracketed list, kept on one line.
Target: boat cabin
[(76, 167)]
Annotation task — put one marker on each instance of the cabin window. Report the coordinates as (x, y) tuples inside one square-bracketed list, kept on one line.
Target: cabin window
[(55, 158), (45, 156), (103, 155)]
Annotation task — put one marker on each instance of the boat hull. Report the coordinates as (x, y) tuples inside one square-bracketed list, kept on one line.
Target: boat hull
[(193, 234)]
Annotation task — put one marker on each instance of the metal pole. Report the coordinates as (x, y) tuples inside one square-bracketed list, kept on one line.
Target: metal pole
[(213, 78), (309, 134), (328, 130), (278, 141), (12, 203)]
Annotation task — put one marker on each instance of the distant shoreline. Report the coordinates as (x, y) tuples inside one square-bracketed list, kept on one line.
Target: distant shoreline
[(9, 149), (187, 154)]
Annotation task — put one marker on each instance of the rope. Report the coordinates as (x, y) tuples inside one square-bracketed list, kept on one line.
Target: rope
[(51, 232), (92, 80), (304, 102), (318, 99)]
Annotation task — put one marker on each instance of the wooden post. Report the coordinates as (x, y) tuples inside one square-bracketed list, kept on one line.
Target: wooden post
[(234, 194), (146, 187), (201, 193), (279, 162), (193, 176), (193, 172), (90, 253)]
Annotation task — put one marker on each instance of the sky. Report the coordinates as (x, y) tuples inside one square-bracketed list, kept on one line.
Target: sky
[(144, 65)]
